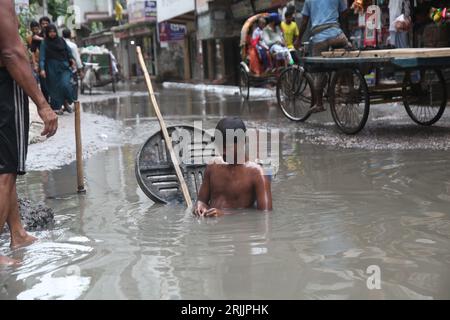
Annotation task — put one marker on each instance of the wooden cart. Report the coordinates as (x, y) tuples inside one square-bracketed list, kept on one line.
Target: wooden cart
[(423, 89)]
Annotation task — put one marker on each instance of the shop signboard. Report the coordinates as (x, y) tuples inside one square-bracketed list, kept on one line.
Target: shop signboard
[(169, 32), (168, 9), (141, 11)]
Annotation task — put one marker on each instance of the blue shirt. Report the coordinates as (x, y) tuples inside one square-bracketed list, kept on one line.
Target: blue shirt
[(321, 12)]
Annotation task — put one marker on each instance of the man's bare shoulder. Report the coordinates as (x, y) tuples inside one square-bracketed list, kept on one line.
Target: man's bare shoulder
[(215, 160), (254, 168)]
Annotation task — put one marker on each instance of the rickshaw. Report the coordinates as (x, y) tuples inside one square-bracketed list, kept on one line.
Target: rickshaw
[(99, 69), (293, 85)]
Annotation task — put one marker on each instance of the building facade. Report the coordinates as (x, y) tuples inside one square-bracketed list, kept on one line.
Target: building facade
[(139, 30)]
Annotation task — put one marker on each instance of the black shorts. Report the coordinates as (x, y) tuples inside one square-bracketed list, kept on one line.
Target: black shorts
[(14, 125)]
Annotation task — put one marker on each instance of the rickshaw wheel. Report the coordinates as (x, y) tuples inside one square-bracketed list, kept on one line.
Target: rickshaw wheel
[(349, 100), (295, 93), (244, 85), (425, 99)]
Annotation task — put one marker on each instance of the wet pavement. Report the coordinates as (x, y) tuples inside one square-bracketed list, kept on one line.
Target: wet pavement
[(342, 204)]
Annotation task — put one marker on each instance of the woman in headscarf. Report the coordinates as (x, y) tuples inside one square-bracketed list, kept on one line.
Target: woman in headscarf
[(273, 37), (55, 62)]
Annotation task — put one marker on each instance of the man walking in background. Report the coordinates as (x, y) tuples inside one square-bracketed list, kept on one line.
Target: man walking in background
[(43, 22), (16, 83), (67, 35)]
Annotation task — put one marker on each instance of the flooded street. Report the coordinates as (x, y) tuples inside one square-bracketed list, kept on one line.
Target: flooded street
[(341, 205)]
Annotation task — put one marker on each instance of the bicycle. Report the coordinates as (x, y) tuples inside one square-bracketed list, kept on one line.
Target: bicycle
[(344, 89)]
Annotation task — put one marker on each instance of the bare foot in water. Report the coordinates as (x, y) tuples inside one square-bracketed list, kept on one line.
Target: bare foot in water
[(21, 240), (5, 261)]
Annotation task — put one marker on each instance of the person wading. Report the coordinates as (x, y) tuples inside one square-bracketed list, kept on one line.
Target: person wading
[(16, 84)]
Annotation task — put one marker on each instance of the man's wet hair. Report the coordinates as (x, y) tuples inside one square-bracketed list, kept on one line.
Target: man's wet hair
[(34, 24), (45, 19), (290, 10), (230, 123), (66, 33)]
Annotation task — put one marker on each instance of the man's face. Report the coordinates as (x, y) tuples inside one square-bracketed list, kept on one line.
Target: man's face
[(35, 30), (236, 152), (231, 148), (44, 24)]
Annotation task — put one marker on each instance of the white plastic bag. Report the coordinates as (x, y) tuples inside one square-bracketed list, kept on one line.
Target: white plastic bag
[(402, 23)]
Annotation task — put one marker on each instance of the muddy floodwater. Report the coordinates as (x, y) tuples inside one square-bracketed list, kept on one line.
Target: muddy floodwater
[(343, 207)]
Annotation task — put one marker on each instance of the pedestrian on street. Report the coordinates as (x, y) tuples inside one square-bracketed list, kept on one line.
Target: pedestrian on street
[(78, 73), (291, 33), (16, 84), (43, 22), (56, 63), (34, 42)]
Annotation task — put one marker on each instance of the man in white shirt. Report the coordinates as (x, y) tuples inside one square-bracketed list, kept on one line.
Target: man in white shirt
[(67, 35), (397, 37)]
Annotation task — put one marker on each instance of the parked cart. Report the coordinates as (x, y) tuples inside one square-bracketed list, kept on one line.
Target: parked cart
[(99, 69), (423, 89)]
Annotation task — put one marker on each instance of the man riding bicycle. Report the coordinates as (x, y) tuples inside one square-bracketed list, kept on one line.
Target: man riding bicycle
[(325, 33)]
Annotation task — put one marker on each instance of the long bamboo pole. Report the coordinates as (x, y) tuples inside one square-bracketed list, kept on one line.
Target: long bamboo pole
[(162, 124), (79, 148)]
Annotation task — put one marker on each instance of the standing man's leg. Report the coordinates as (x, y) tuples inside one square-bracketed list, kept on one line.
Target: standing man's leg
[(14, 122), (317, 49), (9, 212), (340, 41), (6, 190)]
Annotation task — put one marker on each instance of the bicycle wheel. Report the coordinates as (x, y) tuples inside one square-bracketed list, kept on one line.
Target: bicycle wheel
[(349, 100), (244, 85), (295, 93), (425, 98)]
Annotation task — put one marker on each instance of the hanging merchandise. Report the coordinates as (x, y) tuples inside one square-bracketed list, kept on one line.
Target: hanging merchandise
[(358, 6), (439, 15), (372, 31)]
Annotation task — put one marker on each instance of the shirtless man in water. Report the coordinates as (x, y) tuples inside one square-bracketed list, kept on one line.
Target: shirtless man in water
[(16, 84), (232, 186)]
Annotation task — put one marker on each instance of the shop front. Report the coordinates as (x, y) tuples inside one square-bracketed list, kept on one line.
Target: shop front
[(177, 39), (386, 24), (139, 31), (127, 38), (379, 24)]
